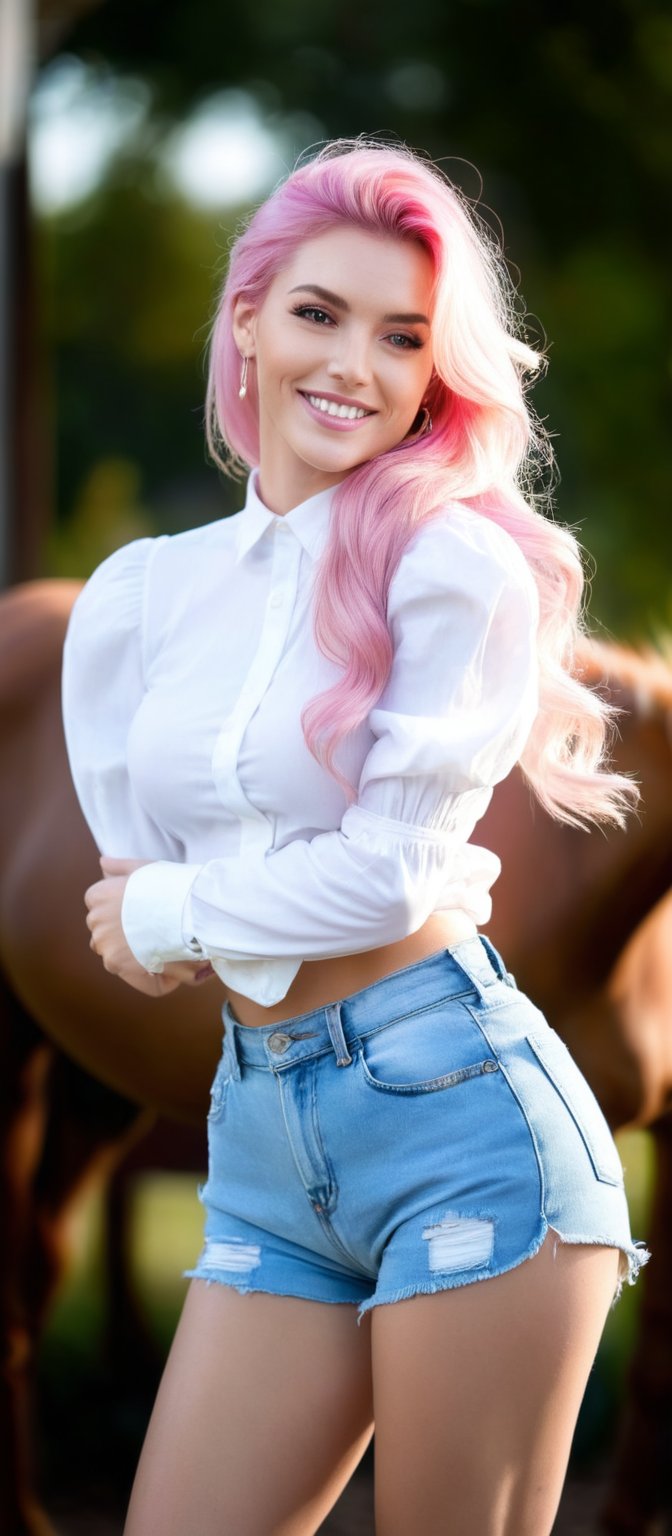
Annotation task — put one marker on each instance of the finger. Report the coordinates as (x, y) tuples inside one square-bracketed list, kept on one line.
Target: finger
[(188, 970), (152, 986), (182, 973), (113, 866)]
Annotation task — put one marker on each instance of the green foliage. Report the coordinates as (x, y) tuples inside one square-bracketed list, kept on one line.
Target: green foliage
[(128, 286), (565, 111)]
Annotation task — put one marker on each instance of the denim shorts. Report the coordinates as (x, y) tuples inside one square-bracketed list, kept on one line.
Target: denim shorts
[(418, 1135)]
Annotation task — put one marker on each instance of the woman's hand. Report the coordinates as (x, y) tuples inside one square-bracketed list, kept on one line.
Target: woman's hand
[(103, 901)]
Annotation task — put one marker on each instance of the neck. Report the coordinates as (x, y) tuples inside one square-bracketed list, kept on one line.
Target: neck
[(282, 485)]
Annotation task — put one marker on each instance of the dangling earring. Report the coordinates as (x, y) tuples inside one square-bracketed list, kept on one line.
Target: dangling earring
[(243, 379)]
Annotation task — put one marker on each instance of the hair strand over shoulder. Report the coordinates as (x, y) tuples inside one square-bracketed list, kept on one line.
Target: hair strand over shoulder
[(485, 450)]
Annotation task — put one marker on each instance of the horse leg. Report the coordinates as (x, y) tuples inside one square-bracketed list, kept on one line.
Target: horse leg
[(59, 1131), (25, 1062), (169, 1147), (641, 1485), (90, 1133), (89, 1128)]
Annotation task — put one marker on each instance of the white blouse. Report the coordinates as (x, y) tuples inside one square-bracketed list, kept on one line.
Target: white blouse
[(187, 661)]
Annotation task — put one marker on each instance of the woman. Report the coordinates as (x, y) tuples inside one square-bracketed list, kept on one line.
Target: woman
[(283, 729)]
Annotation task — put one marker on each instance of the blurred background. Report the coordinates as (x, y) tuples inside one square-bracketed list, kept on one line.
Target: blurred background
[(135, 136), (153, 126)]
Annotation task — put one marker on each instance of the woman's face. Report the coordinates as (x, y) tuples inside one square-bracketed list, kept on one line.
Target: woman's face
[(344, 329)]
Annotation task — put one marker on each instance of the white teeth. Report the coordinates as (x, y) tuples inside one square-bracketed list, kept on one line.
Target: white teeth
[(330, 408)]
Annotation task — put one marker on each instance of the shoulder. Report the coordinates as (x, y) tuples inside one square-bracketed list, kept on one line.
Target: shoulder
[(218, 534), (115, 592), (460, 551), (456, 537), (112, 596)]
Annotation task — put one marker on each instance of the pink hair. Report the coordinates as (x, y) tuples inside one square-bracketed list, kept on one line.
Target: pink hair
[(483, 450)]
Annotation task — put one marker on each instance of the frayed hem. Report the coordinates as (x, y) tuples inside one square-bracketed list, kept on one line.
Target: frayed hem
[(633, 1257), (214, 1277), (632, 1260), (456, 1281)]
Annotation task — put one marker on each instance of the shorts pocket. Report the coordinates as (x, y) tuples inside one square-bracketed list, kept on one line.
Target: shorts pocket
[(578, 1097), (425, 1052), (218, 1090)]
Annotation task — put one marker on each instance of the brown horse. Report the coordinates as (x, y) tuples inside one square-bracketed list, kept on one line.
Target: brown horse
[(59, 1127), (583, 920)]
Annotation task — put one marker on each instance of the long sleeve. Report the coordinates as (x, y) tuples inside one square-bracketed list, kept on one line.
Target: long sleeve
[(451, 722), (102, 686)]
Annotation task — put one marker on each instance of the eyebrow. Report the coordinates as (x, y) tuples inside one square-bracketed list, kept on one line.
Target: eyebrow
[(338, 303)]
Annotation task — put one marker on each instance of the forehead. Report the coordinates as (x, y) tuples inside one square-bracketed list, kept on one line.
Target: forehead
[(355, 261)]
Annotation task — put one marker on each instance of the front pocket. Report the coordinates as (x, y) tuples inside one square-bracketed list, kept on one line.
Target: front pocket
[(433, 1084), (424, 1052), (218, 1092), (578, 1097)]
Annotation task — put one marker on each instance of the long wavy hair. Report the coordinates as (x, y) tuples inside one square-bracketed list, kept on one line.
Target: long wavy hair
[(486, 449)]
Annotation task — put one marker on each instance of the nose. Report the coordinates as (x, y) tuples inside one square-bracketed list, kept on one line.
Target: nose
[(350, 361)]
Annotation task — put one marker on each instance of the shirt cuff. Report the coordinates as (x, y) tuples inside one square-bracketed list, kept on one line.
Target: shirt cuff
[(156, 912)]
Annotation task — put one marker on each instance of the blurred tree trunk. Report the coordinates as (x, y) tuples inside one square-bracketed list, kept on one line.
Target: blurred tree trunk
[(26, 479), (25, 441)]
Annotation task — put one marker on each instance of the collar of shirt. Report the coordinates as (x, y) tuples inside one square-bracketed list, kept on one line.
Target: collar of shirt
[(309, 521)]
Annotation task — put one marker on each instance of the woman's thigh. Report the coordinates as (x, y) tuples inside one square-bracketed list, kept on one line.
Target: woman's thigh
[(264, 1410), (477, 1392)]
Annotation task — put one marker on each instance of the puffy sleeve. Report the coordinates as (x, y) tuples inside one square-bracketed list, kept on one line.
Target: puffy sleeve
[(452, 721), (102, 685)]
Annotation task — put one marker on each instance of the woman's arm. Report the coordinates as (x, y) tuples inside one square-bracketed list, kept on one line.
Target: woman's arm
[(452, 721), (102, 685)]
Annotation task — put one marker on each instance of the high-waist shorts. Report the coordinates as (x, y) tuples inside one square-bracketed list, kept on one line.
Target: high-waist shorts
[(418, 1135)]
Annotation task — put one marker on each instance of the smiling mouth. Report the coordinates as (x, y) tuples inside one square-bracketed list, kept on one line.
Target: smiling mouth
[(332, 408)]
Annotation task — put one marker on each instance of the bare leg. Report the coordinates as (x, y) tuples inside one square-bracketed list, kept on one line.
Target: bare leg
[(263, 1413), (477, 1392)]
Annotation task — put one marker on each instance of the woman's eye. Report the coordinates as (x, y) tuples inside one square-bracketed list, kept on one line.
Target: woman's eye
[(310, 312), (406, 341), (401, 342)]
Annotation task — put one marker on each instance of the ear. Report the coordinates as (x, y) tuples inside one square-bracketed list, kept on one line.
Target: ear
[(244, 326)]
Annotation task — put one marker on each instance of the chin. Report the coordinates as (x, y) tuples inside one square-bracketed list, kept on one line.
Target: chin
[(333, 463)]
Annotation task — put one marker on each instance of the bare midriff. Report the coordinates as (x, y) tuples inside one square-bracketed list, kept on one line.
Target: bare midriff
[(319, 982)]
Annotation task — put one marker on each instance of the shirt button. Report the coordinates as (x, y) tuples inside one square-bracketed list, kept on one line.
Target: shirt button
[(275, 600)]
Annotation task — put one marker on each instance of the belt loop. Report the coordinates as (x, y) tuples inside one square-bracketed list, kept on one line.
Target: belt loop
[(474, 960), (336, 1035), (494, 957), (230, 1052)]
